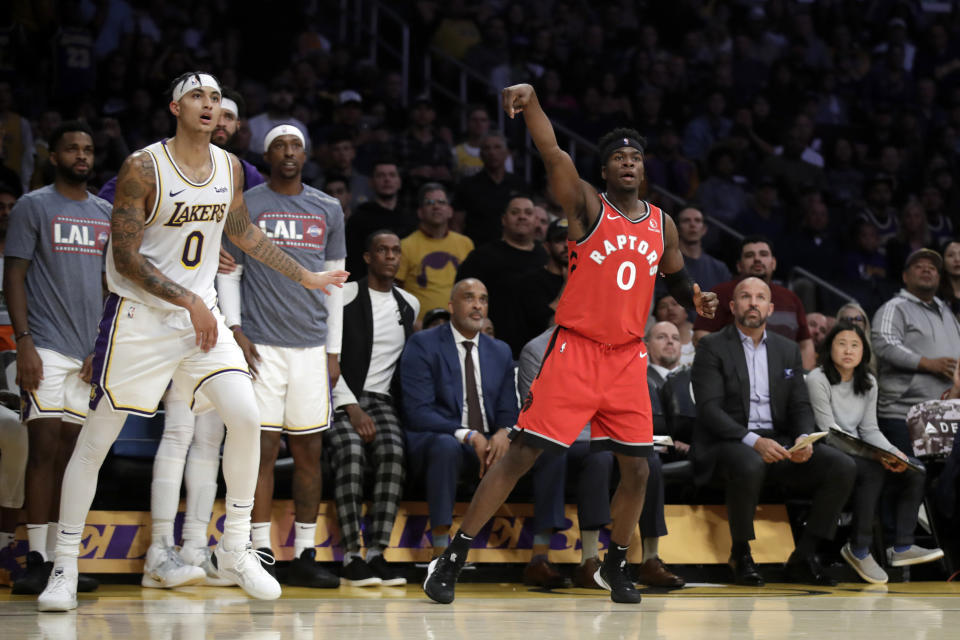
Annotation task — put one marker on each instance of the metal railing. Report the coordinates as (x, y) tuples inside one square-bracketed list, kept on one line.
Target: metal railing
[(369, 20)]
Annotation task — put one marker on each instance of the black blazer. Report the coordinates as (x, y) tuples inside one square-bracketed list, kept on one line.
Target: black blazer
[(357, 346), (721, 389)]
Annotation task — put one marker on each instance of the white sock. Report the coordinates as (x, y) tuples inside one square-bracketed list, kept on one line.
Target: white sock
[(51, 539), (651, 548), (305, 537), (589, 543), (374, 552), (260, 535), (37, 537), (68, 545), (236, 524)]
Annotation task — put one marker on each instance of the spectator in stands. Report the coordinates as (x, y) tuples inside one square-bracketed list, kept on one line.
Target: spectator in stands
[(667, 167), (423, 155), (53, 258), (913, 234), (843, 394), (592, 471), (706, 270), (366, 431), (342, 154), (915, 364), (865, 262), (752, 405), (435, 317), (383, 212), (814, 246), (844, 181), (707, 129), (788, 317), (339, 187), (535, 294), (17, 151), (459, 399), (497, 264), (791, 171), (720, 195), (433, 253), (667, 309), (949, 279), (482, 198), (938, 221), (763, 215), (818, 324), (541, 222), (663, 352), (467, 160), (878, 207), (279, 111)]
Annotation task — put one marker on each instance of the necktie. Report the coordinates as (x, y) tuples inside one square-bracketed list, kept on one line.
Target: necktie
[(474, 415)]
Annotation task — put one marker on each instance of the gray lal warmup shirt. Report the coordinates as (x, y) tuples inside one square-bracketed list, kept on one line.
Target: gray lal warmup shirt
[(64, 240), (309, 226)]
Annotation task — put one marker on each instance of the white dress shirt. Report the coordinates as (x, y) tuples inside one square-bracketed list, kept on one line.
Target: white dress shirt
[(459, 339)]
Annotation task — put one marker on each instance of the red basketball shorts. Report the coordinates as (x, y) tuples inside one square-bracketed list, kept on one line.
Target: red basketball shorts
[(583, 381)]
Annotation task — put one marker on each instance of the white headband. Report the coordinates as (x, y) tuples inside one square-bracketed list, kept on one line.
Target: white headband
[(192, 82), (282, 130), (227, 104)]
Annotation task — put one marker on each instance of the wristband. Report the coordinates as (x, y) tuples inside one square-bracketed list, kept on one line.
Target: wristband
[(22, 334), (468, 436)]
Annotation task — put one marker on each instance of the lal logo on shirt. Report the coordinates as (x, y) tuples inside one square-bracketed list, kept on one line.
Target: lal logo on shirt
[(293, 229), (79, 235)]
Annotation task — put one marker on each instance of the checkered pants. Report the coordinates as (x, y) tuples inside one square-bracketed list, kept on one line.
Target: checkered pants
[(350, 456)]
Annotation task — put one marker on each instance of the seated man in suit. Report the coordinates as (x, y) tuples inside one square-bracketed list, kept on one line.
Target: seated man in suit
[(459, 400), (752, 405)]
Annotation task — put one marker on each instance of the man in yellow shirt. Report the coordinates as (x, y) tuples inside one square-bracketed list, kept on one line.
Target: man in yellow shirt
[(432, 254)]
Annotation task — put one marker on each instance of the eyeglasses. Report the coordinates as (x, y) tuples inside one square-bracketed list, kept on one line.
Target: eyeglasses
[(855, 319), (430, 202)]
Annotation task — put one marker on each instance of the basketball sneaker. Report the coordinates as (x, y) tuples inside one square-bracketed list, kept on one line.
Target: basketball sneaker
[(200, 557), (243, 567), (389, 577), (358, 573), (165, 569), (305, 572), (442, 574), (614, 578), (61, 591)]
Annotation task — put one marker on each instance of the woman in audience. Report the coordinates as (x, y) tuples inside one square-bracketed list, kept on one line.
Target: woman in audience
[(855, 314), (950, 278), (667, 309), (843, 394)]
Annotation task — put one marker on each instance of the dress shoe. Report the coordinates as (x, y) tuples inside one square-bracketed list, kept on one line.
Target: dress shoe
[(808, 570), (654, 573), (584, 572), (745, 571), (540, 572)]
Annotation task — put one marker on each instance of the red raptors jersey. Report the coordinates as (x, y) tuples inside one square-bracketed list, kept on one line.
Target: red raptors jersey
[(611, 276)]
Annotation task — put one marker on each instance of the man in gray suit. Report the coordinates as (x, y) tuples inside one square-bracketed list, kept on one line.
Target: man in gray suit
[(752, 406)]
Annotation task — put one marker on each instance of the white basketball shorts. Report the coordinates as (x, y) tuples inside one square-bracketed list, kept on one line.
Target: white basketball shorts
[(61, 394), (293, 389)]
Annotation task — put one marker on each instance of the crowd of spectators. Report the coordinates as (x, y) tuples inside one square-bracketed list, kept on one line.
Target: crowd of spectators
[(826, 132)]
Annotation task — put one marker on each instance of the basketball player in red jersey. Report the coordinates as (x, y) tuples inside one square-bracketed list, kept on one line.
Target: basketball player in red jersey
[(595, 366)]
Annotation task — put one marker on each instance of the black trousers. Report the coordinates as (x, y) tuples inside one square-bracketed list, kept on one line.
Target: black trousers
[(827, 477), (907, 494)]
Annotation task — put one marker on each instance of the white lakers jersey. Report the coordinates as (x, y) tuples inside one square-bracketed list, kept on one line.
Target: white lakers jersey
[(183, 230)]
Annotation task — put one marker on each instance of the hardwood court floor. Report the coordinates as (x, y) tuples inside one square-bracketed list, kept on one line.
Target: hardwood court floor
[(921, 610)]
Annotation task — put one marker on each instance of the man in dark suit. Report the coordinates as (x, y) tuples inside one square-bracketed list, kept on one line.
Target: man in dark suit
[(752, 405), (459, 400)]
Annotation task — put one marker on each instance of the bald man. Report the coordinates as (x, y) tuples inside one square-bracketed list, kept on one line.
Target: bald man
[(459, 399), (752, 406), (663, 351)]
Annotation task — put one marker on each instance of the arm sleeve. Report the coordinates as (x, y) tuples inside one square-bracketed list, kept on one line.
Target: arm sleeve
[(869, 428), (887, 337), (228, 294), (334, 304)]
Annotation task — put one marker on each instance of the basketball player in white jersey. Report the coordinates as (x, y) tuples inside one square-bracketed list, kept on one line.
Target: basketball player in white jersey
[(174, 201)]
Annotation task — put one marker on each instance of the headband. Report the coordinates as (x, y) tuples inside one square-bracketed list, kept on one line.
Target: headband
[(229, 105), (195, 81), (619, 143), (282, 130)]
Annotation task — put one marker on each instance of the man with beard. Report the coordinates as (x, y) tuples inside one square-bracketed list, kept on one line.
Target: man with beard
[(291, 340), (752, 406), (53, 261), (384, 211), (788, 319), (914, 365)]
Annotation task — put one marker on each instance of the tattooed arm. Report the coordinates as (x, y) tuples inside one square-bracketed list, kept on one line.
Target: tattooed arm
[(251, 239), (136, 187)]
